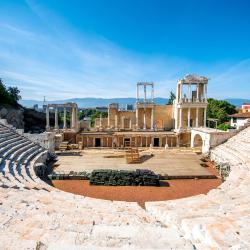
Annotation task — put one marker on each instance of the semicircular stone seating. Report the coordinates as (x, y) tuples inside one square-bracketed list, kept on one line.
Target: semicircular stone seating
[(34, 215)]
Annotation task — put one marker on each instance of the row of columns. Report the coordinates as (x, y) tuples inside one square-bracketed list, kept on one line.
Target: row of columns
[(130, 120), (73, 118), (145, 91), (196, 117), (197, 91), (144, 119)]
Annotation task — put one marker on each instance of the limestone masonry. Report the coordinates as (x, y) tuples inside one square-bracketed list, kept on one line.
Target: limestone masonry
[(33, 215)]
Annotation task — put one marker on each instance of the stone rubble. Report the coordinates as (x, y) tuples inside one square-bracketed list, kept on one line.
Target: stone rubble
[(34, 215)]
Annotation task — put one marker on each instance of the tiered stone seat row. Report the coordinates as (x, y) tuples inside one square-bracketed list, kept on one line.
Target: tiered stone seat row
[(40, 218), (220, 219), (16, 153)]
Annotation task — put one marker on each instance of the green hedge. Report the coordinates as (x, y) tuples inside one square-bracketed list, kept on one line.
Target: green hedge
[(140, 177)]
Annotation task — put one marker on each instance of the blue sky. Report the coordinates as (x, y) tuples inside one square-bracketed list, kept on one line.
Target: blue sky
[(101, 48)]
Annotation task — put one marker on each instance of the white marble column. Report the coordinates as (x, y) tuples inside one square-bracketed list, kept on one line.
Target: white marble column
[(152, 118), (137, 93), (64, 119), (47, 118), (180, 92), (145, 93), (144, 119), (197, 92), (205, 92), (205, 117), (188, 117), (189, 93), (197, 118), (56, 118)]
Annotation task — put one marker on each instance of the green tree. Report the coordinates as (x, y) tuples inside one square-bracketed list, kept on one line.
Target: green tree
[(9, 96), (14, 93), (97, 114), (220, 110), (171, 98)]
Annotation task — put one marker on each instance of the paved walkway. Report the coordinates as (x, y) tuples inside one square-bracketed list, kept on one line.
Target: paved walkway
[(172, 162)]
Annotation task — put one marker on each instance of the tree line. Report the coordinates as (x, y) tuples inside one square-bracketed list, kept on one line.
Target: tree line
[(9, 96)]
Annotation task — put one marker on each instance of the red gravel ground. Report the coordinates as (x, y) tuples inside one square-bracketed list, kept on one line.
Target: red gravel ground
[(177, 189)]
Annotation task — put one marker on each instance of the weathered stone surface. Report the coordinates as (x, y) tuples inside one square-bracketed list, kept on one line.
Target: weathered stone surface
[(34, 215)]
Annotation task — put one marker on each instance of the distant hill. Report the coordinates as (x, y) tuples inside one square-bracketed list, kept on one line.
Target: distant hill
[(237, 102), (91, 102)]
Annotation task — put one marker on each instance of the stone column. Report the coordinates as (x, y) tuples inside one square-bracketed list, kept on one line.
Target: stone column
[(180, 118), (56, 118), (197, 118), (189, 93), (47, 118), (137, 93), (100, 124), (205, 117), (64, 119), (141, 141), (130, 123), (188, 117), (197, 92), (73, 118), (76, 118), (205, 90), (152, 118), (145, 93), (137, 117), (123, 126), (108, 118), (160, 141), (144, 120), (181, 92), (136, 141), (152, 93), (116, 122), (177, 141)]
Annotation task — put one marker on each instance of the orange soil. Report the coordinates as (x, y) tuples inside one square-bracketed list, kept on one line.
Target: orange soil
[(177, 189)]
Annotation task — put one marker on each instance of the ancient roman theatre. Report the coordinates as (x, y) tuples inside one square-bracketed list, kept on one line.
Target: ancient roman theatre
[(164, 139)]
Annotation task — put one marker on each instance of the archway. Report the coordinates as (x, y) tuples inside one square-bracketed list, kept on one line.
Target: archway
[(197, 141)]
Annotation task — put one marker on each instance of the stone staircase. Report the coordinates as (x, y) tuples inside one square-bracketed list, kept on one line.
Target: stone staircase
[(34, 215)]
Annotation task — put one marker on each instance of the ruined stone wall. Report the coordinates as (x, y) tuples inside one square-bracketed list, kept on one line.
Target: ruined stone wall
[(164, 113)]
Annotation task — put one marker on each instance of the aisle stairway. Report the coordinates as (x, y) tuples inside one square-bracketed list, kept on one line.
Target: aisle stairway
[(34, 215)]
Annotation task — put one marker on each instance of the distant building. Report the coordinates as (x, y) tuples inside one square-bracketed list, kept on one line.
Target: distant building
[(239, 120), (35, 107), (245, 107)]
